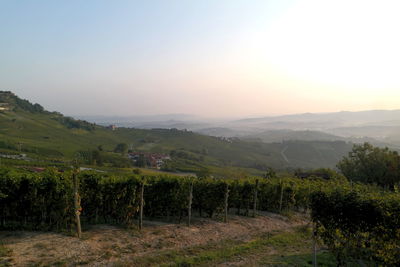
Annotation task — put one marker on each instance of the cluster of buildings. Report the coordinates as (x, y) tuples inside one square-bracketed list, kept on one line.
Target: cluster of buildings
[(152, 160), (4, 107), (112, 127), (17, 156), (228, 139)]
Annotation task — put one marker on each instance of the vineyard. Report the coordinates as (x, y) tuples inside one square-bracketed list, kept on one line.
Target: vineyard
[(359, 226), (355, 221)]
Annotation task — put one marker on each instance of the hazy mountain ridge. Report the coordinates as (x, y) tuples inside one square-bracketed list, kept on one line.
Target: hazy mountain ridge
[(284, 135), (376, 126)]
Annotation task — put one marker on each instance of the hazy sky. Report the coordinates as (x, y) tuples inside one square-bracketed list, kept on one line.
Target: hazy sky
[(210, 58)]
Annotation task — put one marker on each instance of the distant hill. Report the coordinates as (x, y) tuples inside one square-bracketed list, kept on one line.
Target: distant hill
[(380, 127), (337, 119), (218, 131), (28, 127), (286, 135)]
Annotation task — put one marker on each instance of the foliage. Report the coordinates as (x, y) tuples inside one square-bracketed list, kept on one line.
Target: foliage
[(359, 225), (121, 148), (18, 103), (44, 200), (269, 173), (109, 199), (354, 220), (369, 164), (71, 123), (100, 158), (32, 201)]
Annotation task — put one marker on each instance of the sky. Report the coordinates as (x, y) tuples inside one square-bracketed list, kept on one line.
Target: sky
[(213, 58)]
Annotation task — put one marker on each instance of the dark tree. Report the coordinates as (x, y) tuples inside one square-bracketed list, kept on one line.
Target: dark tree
[(121, 148), (369, 164), (141, 162)]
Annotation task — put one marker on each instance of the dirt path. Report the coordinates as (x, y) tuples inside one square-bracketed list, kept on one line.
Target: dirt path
[(104, 245), (283, 154)]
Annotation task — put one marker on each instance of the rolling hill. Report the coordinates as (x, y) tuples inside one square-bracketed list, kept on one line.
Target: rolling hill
[(29, 128)]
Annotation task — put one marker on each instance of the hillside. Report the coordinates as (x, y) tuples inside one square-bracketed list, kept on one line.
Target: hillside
[(336, 119), (379, 127), (27, 127), (282, 135)]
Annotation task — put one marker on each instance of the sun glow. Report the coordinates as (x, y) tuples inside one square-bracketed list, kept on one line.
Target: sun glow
[(348, 44)]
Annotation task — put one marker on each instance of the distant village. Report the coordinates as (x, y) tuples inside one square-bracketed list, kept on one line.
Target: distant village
[(150, 160), (15, 156)]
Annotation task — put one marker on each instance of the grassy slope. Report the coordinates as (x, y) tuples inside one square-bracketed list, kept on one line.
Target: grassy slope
[(41, 132), (282, 248)]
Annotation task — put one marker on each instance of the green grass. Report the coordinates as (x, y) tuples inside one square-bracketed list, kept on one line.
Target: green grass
[(278, 248), (323, 259), (4, 253)]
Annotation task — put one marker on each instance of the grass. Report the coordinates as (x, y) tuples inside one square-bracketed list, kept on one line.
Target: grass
[(40, 246), (323, 259), (278, 248), (4, 254)]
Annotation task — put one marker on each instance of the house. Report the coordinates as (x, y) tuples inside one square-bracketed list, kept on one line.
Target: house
[(153, 160), (112, 127), (4, 107), (15, 156)]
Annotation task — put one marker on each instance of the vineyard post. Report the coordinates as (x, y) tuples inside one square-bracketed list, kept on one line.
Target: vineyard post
[(141, 205), (308, 202), (190, 202), (281, 199), (226, 196), (77, 206), (314, 246), (255, 198)]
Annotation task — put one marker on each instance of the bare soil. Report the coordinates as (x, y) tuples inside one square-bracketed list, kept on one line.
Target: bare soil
[(104, 245)]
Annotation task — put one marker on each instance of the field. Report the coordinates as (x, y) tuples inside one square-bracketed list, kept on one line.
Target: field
[(268, 239)]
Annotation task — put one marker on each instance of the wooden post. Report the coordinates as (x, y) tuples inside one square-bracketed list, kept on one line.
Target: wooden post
[(308, 202), (77, 206), (255, 199), (141, 206), (226, 207), (281, 199), (190, 202), (314, 247)]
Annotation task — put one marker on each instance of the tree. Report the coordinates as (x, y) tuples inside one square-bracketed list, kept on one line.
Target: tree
[(97, 158), (141, 161), (121, 148), (369, 164), (203, 172), (270, 173)]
